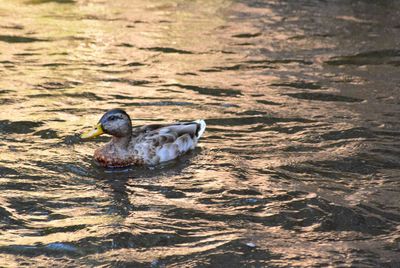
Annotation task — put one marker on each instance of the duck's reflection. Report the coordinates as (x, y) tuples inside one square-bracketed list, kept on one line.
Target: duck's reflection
[(120, 183)]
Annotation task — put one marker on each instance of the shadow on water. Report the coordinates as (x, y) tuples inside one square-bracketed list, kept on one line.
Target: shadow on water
[(389, 56), (168, 50), (208, 91), (323, 97), (19, 39), (36, 2)]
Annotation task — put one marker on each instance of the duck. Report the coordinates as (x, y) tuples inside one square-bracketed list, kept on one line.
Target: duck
[(142, 145)]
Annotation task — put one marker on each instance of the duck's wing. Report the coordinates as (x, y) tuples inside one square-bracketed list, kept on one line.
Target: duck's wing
[(194, 129), (166, 142)]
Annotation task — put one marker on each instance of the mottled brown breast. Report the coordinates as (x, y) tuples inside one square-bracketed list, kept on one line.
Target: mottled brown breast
[(111, 159)]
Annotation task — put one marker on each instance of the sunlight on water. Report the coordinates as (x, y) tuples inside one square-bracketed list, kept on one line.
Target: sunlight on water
[(298, 166)]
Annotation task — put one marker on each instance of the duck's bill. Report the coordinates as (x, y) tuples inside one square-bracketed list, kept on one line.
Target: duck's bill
[(96, 131)]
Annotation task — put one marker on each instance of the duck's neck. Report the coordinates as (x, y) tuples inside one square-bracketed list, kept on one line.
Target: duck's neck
[(121, 142)]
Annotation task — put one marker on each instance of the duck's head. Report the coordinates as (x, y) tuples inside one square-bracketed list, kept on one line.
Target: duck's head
[(115, 122)]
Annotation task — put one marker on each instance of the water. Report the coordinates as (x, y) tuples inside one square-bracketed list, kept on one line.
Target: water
[(299, 166)]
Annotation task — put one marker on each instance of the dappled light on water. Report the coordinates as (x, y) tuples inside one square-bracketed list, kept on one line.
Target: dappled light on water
[(298, 166)]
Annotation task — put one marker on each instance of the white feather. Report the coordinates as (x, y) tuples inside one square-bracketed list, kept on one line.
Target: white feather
[(202, 127)]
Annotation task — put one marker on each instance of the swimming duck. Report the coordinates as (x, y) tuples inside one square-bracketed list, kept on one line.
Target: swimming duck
[(145, 145)]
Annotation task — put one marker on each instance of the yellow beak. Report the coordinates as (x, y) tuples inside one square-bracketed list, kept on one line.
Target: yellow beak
[(96, 131)]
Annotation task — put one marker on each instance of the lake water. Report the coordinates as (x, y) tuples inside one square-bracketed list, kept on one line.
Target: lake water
[(299, 166)]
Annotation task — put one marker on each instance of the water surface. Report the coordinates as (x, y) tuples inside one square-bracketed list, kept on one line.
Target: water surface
[(299, 166)]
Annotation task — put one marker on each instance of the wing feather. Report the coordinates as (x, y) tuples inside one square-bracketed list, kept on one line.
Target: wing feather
[(159, 143)]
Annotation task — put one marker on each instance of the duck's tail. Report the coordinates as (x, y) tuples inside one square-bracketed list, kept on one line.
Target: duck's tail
[(201, 127)]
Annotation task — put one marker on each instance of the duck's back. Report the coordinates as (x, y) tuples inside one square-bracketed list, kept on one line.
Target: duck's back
[(159, 143)]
